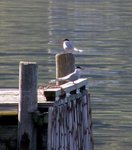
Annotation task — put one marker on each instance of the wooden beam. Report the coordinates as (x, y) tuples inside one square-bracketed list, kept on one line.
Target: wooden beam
[(11, 96), (67, 88), (9, 99), (28, 74)]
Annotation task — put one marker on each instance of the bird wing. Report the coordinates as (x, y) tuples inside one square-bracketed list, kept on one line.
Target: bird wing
[(70, 77), (78, 50), (68, 45)]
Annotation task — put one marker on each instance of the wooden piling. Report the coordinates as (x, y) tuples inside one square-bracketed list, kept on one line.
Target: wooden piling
[(28, 74), (70, 122), (65, 64)]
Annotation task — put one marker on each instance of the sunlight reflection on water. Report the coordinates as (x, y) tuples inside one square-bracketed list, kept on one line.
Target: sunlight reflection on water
[(33, 31)]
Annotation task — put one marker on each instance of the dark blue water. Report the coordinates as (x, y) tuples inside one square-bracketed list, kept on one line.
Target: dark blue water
[(33, 30)]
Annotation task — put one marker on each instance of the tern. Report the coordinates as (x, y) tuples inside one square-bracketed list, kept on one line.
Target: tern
[(70, 77), (69, 47)]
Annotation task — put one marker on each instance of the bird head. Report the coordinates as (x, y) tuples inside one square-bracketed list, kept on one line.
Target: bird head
[(78, 71), (65, 40), (78, 67)]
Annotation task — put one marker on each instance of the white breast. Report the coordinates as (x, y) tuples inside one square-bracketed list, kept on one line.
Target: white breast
[(67, 45)]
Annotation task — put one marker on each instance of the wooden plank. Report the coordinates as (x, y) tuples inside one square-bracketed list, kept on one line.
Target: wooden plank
[(9, 96), (9, 99), (67, 87), (70, 86)]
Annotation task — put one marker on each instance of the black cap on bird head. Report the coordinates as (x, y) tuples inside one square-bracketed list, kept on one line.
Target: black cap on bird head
[(78, 67), (65, 40)]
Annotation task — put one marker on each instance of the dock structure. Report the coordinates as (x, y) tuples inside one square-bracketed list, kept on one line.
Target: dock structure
[(71, 126), (60, 114), (9, 99)]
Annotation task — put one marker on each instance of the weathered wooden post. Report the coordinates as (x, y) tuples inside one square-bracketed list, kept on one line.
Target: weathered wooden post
[(28, 74), (65, 64)]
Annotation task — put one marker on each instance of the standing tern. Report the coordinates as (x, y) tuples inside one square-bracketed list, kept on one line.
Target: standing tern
[(68, 46), (70, 77)]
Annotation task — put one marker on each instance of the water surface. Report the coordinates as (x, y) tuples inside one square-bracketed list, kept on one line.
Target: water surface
[(33, 30)]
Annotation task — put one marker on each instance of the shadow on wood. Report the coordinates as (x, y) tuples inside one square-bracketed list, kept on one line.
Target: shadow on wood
[(24, 142)]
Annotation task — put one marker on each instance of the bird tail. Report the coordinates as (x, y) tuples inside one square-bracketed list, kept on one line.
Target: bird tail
[(78, 50), (55, 80)]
